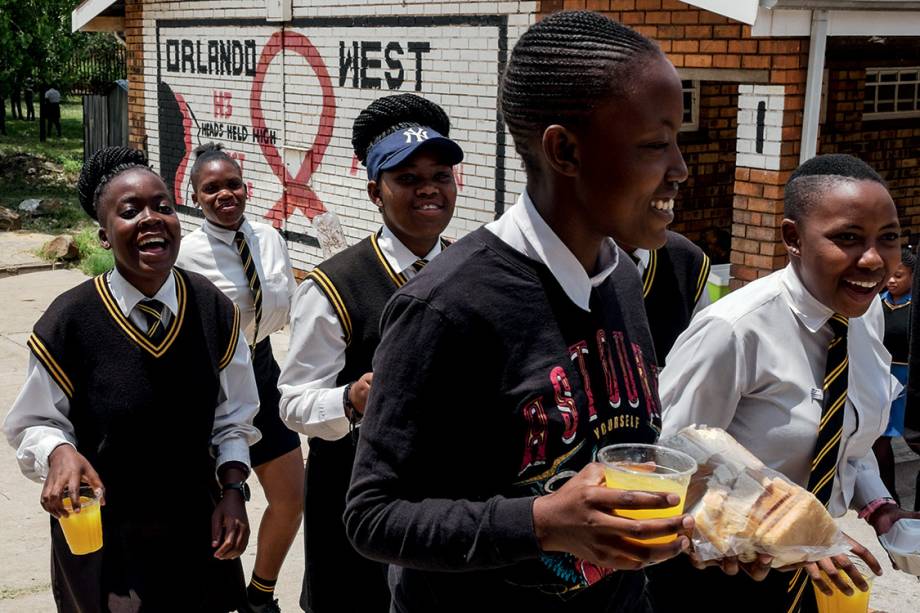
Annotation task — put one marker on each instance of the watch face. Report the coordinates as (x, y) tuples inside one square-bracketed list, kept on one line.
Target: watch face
[(242, 488)]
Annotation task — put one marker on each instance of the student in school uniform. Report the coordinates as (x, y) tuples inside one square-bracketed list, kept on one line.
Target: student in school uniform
[(673, 286), (524, 349), (896, 305), (136, 380), (794, 367), (403, 141), (248, 261)]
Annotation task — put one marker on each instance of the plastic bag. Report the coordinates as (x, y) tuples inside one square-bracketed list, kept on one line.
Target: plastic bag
[(329, 233), (742, 508)]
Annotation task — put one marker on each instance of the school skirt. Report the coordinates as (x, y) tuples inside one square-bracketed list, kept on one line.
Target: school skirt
[(277, 439)]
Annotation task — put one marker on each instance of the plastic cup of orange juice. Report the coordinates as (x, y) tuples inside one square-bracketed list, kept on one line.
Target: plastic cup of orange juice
[(839, 602), (648, 468), (83, 530)]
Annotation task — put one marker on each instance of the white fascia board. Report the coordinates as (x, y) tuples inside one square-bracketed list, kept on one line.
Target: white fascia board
[(782, 22), (87, 11), (741, 10)]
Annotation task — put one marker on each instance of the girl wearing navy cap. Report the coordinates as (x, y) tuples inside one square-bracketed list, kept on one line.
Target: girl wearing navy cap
[(325, 381)]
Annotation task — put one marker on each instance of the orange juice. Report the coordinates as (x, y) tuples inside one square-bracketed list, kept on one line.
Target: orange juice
[(840, 602), (639, 477), (83, 530)]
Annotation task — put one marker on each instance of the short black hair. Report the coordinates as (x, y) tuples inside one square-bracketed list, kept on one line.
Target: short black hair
[(908, 258), (814, 178), (207, 152), (100, 169), (386, 115), (562, 69)]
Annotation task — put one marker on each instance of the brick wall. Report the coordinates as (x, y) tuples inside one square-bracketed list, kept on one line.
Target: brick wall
[(892, 147), (134, 37), (283, 97), (705, 200)]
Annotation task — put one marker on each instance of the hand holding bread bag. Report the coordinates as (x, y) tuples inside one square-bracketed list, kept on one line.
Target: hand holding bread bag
[(742, 508)]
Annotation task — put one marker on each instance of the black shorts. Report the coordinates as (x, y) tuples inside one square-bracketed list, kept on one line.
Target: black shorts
[(277, 439)]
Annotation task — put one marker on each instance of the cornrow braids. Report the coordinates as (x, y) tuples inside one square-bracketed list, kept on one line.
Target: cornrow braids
[(562, 69), (100, 169), (206, 153), (908, 258), (388, 114)]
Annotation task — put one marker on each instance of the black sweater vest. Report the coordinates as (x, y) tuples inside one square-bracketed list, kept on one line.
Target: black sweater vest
[(142, 415), (673, 282), (358, 282)]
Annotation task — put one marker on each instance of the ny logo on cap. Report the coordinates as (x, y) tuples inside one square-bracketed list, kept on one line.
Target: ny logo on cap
[(420, 134)]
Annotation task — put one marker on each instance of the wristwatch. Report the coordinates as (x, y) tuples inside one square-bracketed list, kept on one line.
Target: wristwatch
[(241, 486)]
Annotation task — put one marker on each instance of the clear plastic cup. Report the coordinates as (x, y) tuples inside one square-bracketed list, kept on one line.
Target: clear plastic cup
[(839, 602), (648, 468), (83, 530)]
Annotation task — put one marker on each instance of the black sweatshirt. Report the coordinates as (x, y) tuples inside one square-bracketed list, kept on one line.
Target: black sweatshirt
[(490, 388)]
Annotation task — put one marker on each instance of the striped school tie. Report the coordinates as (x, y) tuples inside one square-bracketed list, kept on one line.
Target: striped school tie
[(252, 275), (830, 429), (157, 316), (419, 264)]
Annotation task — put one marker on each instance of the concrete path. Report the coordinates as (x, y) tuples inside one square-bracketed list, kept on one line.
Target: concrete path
[(18, 253), (24, 541)]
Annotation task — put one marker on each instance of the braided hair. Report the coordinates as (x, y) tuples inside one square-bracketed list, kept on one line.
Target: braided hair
[(386, 115), (908, 258), (815, 177), (562, 69), (207, 152), (100, 169)]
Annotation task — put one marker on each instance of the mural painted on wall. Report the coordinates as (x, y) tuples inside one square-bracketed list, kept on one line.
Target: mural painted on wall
[(283, 100)]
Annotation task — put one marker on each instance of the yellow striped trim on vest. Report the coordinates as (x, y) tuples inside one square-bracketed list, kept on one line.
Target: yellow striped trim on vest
[(234, 338), (702, 279), (51, 365), (325, 284), (649, 277), (133, 333), (398, 278)]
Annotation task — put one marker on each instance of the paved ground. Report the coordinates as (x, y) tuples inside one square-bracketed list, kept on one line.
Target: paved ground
[(18, 253), (24, 546)]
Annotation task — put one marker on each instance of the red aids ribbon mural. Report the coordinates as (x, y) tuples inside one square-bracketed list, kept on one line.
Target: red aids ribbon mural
[(298, 194), (187, 139)]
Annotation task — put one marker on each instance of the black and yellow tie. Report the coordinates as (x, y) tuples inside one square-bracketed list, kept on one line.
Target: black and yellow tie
[(252, 275), (157, 316), (419, 264), (830, 429)]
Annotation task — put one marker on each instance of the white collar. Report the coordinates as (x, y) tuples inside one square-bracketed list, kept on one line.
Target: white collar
[(643, 255), (546, 247), (225, 235), (127, 296), (810, 311), (398, 255)]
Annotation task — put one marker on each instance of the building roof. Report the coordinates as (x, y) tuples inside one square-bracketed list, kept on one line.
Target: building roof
[(98, 16), (751, 11)]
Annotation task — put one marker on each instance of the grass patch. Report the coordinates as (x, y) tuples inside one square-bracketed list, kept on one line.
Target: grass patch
[(94, 260), (22, 136), (32, 169)]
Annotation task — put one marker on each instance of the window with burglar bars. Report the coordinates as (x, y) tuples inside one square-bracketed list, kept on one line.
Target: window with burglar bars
[(892, 93), (691, 92)]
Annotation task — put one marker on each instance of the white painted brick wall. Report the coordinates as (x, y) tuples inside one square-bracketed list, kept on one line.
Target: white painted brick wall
[(460, 72), (749, 98)]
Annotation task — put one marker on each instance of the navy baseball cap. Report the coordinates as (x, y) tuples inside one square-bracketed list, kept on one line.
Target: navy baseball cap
[(396, 148)]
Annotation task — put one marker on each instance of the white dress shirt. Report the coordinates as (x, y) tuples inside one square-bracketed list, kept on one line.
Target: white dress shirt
[(644, 255), (211, 251), (522, 228), (310, 401), (753, 363), (38, 420)]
